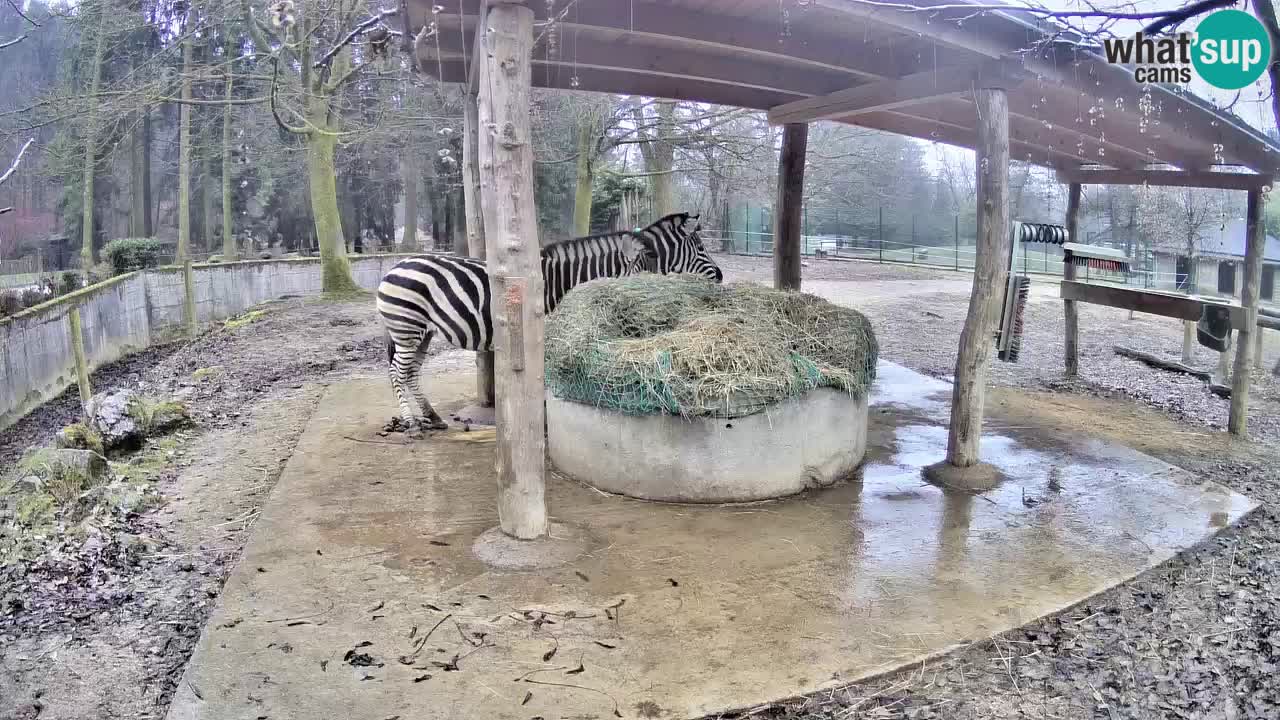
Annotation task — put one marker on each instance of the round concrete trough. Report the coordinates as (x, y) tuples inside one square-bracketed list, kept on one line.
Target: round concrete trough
[(806, 442)]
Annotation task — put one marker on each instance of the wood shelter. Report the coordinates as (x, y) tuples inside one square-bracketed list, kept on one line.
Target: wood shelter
[(1003, 83)]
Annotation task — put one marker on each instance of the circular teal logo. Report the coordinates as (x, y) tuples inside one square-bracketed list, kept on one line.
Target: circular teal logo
[(1232, 49)]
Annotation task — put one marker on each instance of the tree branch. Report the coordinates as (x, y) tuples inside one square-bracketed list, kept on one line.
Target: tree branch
[(21, 14), (16, 160), (1162, 18), (1267, 14), (10, 43), (275, 112), (1190, 11), (351, 36)]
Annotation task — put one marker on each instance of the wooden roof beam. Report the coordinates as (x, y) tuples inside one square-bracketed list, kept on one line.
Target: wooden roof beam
[(951, 133), (1028, 127), (899, 92), (707, 29), (1166, 178), (635, 55)]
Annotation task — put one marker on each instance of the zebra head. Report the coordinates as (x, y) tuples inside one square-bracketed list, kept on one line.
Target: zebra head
[(673, 244)]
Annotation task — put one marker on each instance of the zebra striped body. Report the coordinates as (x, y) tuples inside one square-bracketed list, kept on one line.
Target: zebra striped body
[(429, 294)]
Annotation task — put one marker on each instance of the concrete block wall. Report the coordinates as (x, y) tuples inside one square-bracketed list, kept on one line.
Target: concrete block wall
[(123, 314)]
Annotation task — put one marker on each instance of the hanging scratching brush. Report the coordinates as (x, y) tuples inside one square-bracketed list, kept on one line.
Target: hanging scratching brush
[(1011, 331)]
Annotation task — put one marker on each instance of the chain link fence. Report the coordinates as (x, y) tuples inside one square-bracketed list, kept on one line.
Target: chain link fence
[(927, 239)]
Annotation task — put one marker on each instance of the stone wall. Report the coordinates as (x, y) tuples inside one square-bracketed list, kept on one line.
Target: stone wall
[(123, 314)]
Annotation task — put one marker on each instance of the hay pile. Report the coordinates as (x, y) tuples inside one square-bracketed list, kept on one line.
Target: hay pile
[(684, 345)]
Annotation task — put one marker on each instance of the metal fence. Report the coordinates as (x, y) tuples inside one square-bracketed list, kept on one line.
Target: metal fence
[(959, 255)]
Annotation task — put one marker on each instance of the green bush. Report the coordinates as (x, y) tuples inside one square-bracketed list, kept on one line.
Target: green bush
[(129, 254), (70, 282), (10, 303)]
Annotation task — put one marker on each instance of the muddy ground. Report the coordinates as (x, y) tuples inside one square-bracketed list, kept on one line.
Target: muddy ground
[(104, 631)]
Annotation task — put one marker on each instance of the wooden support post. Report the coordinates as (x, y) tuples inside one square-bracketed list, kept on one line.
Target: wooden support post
[(77, 349), (514, 263), (1223, 375), (189, 298), (786, 223), (1257, 349), (1071, 340), (989, 277), (1188, 340), (1255, 237), (475, 228)]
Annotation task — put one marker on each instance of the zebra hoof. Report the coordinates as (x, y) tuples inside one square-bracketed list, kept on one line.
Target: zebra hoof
[(437, 425), (414, 433)]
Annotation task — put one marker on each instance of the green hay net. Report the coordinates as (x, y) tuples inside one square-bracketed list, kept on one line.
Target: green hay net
[(683, 345)]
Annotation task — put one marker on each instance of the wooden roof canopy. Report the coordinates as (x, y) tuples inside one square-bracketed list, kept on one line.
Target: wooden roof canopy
[(904, 71)]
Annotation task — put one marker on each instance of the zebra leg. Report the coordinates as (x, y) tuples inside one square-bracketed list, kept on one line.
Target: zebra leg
[(402, 366), (433, 420)]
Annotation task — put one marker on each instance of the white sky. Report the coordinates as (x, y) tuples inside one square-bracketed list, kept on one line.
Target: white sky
[(1253, 106)]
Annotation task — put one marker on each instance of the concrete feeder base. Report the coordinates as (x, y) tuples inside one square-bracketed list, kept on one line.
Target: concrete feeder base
[(806, 442)]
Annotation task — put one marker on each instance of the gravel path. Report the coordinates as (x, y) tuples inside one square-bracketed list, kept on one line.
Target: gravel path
[(1197, 637)]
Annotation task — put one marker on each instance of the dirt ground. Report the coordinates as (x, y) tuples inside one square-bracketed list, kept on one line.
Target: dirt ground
[(104, 631)]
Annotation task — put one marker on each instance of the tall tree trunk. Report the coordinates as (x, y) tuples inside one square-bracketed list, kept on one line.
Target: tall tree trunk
[(228, 224), (184, 156), (430, 188), (458, 211), (140, 176), (409, 176), (207, 185), (446, 202), (322, 179), (660, 160), (91, 144), (585, 175)]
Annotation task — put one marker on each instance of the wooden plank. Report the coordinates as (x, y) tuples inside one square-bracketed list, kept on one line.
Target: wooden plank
[(1180, 307), (991, 256), (1027, 124), (672, 58), (1255, 230), (1069, 310), (1166, 178), (475, 228), (77, 351), (904, 122), (897, 92), (787, 221), (513, 257), (668, 26), (189, 299), (630, 82)]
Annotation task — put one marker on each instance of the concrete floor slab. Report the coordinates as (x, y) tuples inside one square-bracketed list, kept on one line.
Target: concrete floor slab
[(360, 595)]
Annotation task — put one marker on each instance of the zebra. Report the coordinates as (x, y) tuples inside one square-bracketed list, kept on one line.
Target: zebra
[(450, 295)]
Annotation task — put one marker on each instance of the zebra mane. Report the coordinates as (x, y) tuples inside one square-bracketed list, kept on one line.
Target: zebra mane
[(584, 238), (676, 220), (637, 244)]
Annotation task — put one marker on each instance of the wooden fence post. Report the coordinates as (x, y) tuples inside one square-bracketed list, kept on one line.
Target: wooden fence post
[(475, 226), (1257, 349), (989, 277), (189, 298), (514, 263), (1070, 311), (1237, 422), (82, 363), (790, 199)]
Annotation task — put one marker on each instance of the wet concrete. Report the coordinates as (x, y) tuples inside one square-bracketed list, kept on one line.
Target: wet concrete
[(669, 610)]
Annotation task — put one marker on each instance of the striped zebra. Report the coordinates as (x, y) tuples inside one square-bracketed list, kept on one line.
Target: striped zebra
[(429, 294)]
